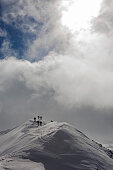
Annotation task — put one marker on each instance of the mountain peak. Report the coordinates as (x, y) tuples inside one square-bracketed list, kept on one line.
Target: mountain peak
[(55, 145)]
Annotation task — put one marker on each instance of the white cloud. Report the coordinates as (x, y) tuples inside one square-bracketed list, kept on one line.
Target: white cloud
[(104, 22), (72, 81), (3, 33), (6, 49)]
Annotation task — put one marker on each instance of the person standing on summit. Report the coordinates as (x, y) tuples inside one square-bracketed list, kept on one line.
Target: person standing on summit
[(34, 119), (39, 122)]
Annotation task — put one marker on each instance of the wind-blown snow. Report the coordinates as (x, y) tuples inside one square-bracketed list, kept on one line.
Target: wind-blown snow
[(53, 146)]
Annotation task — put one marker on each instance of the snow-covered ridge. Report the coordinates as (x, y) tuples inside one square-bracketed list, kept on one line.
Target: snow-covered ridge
[(53, 146)]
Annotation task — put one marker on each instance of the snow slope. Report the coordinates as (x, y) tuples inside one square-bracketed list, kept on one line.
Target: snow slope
[(53, 146)]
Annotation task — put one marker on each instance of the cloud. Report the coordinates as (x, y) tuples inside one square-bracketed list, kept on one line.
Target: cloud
[(104, 22), (67, 80), (38, 24), (3, 33), (6, 50)]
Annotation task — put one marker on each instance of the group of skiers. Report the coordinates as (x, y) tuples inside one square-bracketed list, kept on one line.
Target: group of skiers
[(39, 121)]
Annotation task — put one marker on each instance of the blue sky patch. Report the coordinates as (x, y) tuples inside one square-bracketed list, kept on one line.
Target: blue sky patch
[(18, 39)]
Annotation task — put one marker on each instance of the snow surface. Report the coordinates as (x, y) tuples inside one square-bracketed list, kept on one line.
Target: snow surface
[(20, 164), (53, 146), (109, 146)]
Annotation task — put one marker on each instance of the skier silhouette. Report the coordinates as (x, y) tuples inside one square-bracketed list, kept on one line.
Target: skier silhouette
[(38, 122), (34, 119)]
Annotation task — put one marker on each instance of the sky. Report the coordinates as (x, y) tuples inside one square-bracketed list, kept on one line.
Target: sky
[(56, 60)]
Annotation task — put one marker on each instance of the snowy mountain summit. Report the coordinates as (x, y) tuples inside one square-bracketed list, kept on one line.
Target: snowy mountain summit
[(53, 146)]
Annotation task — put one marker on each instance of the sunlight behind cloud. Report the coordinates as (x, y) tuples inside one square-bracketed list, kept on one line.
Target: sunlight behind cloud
[(77, 14)]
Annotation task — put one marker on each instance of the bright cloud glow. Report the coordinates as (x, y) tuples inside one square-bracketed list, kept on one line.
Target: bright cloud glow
[(77, 14)]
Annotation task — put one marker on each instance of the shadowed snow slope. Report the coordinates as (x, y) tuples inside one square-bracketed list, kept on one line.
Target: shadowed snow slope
[(53, 146)]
